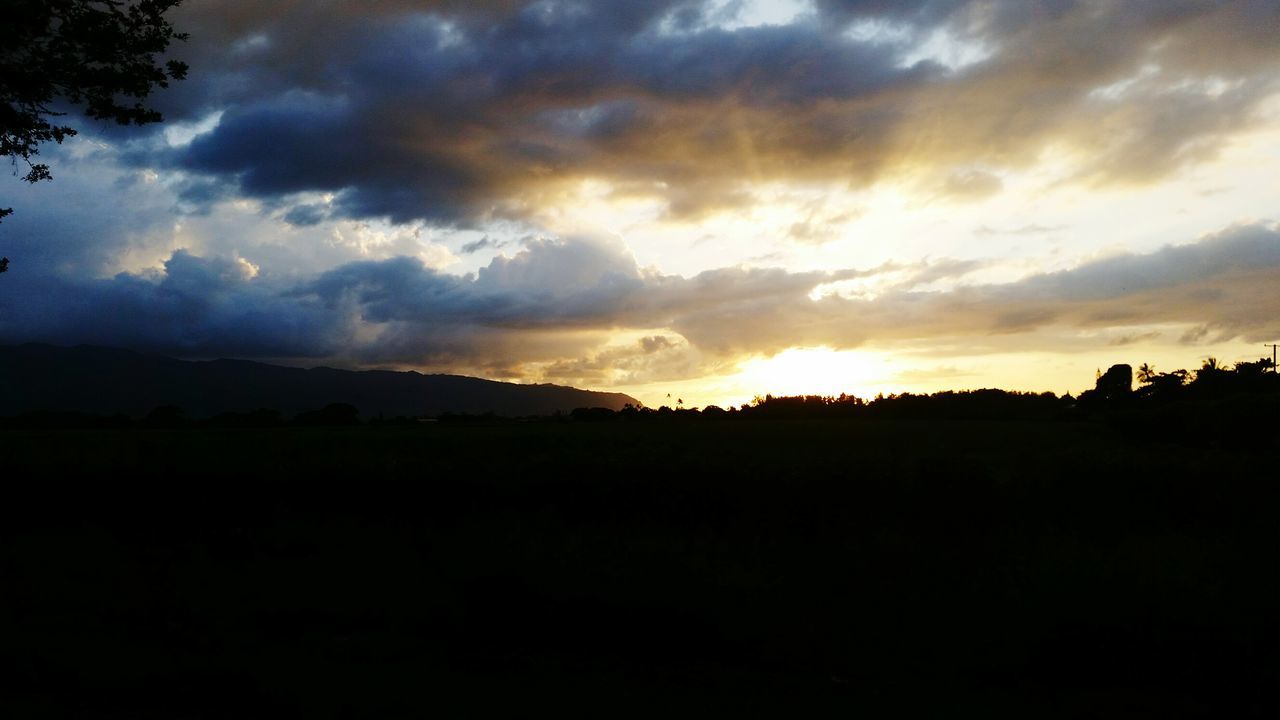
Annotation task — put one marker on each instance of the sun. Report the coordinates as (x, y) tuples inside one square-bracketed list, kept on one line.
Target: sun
[(819, 371)]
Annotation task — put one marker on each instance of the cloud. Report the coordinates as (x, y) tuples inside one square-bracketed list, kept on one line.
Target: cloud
[(197, 307), (653, 358), (943, 269), (1133, 338), (1219, 282), (1194, 335), (1022, 230), (484, 243), (71, 224), (971, 184), (553, 309), (943, 372), (306, 215), (820, 226), (455, 113)]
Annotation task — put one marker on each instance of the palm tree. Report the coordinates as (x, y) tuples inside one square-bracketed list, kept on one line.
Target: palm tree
[(1212, 371), (1146, 373)]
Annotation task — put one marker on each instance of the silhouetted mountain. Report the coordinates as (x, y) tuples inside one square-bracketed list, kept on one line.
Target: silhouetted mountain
[(109, 381)]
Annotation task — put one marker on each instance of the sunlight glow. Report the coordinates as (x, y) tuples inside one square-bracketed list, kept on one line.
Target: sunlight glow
[(820, 371)]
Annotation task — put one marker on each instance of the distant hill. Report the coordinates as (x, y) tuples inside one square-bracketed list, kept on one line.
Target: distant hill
[(109, 381)]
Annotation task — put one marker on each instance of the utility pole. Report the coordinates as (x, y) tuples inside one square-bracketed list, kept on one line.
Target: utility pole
[(1274, 369)]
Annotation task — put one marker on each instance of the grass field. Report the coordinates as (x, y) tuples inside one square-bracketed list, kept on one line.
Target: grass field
[(1043, 569)]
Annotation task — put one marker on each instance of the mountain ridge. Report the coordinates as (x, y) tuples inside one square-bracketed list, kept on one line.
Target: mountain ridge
[(108, 381)]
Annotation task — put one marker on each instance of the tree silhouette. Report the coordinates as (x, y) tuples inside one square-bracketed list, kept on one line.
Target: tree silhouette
[(1212, 376), (1162, 386), (1256, 369), (1212, 365), (1146, 373), (1116, 382), (99, 54)]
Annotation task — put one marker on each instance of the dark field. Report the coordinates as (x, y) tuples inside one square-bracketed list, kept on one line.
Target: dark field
[(1044, 569)]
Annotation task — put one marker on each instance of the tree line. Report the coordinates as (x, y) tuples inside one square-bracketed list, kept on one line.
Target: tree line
[(1246, 388)]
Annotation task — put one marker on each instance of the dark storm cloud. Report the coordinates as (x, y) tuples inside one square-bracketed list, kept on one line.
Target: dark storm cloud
[(560, 301), (306, 215), (288, 146), (197, 307), (453, 112), (71, 225), (198, 196), (416, 123)]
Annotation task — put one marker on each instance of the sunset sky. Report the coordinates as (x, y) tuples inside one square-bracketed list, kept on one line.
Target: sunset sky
[(713, 199)]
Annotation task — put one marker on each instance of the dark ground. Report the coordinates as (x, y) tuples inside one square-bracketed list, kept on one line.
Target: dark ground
[(1043, 569)]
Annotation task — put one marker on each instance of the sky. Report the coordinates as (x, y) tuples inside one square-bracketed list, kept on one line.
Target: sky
[(707, 199)]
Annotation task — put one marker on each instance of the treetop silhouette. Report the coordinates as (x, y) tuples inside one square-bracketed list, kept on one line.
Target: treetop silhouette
[(98, 54)]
